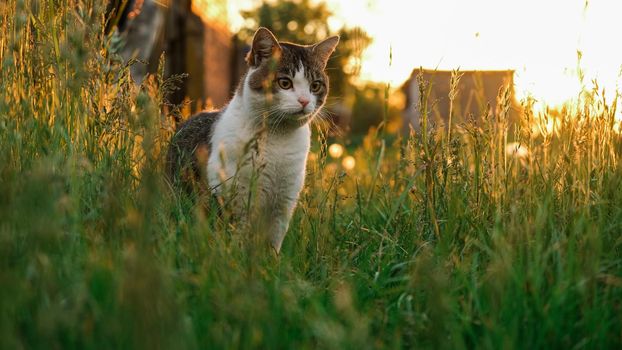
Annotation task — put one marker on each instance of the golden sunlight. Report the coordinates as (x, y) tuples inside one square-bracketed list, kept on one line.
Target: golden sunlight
[(348, 163), (540, 40), (335, 150)]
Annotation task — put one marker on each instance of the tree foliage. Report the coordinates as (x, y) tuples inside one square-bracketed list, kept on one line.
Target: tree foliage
[(305, 22)]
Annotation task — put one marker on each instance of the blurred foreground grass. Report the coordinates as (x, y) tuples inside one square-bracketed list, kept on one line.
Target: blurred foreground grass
[(437, 241)]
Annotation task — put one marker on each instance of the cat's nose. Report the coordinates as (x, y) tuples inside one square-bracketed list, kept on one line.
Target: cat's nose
[(303, 101)]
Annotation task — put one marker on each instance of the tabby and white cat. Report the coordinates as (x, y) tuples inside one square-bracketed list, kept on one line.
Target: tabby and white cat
[(258, 144)]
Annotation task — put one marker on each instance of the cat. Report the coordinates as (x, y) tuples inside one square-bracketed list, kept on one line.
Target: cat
[(258, 144)]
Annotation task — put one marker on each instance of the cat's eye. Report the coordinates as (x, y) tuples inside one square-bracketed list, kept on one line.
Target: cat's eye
[(284, 83), (316, 86)]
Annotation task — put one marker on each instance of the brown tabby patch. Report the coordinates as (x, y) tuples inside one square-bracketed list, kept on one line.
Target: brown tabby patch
[(188, 152)]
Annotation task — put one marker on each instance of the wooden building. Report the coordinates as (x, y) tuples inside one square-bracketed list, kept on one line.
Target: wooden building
[(196, 40), (477, 95), (200, 44)]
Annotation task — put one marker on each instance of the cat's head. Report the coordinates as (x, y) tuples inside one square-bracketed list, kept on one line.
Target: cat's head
[(287, 81)]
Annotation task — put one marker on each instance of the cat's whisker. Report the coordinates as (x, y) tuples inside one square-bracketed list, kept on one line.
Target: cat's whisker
[(267, 114), (324, 117), (331, 104), (280, 118)]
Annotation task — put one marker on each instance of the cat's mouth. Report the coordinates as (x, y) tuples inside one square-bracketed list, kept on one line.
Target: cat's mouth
[(302, 115), (298, 114)]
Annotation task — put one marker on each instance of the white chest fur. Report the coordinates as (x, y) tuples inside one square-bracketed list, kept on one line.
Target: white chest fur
[(271, 165)]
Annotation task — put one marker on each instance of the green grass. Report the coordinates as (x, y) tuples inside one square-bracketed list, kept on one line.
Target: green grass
[(428, 243)]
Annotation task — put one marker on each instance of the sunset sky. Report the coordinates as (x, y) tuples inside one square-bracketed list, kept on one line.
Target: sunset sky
[(539, 39)]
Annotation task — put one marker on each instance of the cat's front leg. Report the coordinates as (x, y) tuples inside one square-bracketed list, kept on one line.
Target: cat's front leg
[(275, 212), (280, 223)]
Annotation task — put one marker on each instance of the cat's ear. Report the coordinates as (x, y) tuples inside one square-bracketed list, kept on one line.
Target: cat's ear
[(325, 48), (264, 46)]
